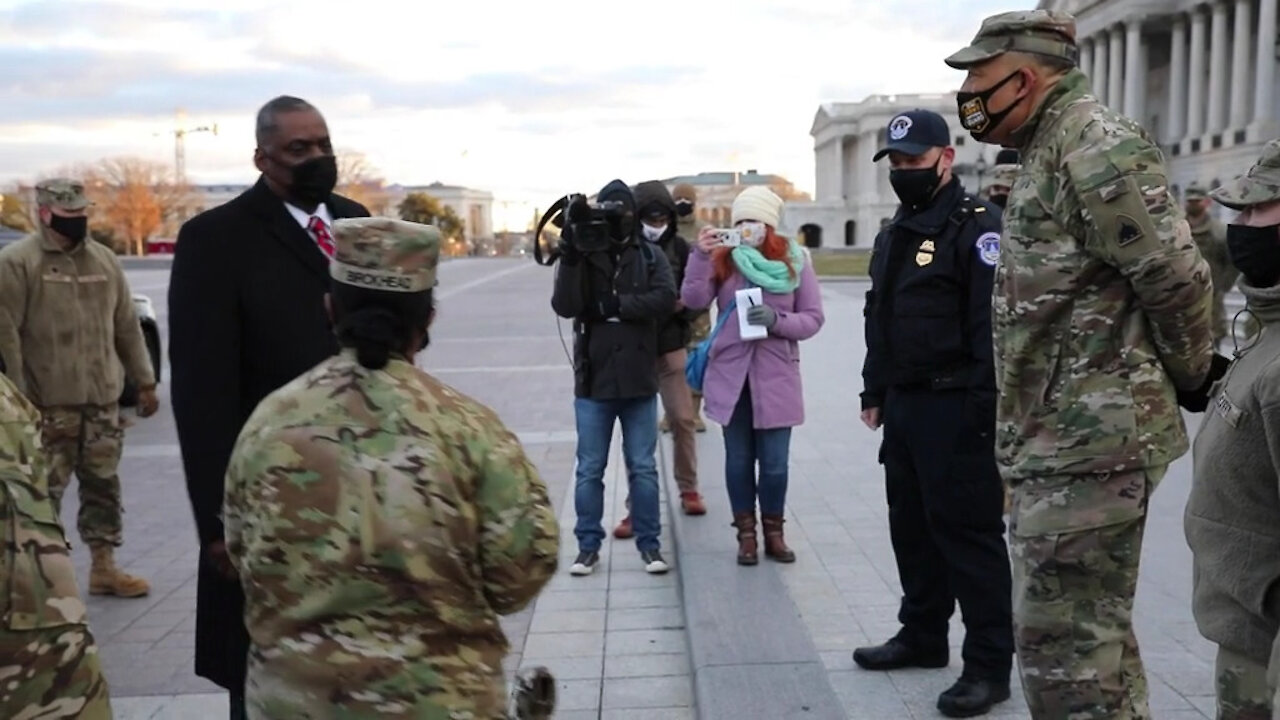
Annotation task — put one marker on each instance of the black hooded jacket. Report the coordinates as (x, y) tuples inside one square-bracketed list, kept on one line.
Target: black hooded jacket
[(616, 300), (674, 330)]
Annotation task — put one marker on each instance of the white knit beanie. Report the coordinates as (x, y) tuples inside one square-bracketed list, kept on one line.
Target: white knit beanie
[(758, 203)]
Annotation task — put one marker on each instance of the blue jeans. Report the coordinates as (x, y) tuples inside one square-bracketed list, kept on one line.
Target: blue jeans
[(744, 446), (595, 420)]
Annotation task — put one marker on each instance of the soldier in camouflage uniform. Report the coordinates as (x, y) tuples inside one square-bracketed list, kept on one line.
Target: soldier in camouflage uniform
[(1232, 520), (1002, 177), (1102, 312), (69, 335), (1211, 237), (48, 660), (688, 226), (379, 521)]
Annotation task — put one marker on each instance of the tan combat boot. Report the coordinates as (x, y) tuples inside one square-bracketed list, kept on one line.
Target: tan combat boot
[(107, 579)]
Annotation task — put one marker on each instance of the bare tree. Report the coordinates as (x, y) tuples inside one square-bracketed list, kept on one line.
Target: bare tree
[(359, 180), (133, 198), (16, 212)]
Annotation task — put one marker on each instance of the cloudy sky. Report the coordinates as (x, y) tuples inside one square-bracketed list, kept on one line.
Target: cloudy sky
[(527, 99)]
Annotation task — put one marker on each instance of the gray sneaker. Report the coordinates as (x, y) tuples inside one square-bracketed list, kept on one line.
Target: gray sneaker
[(653, 562)]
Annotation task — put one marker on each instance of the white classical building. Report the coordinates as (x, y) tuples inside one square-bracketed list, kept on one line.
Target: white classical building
[(853, 194), (1200, 76)]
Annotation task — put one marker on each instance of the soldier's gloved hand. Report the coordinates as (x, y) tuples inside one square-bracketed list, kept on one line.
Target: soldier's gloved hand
[(148, 403), (1197, 400), (762, 315)]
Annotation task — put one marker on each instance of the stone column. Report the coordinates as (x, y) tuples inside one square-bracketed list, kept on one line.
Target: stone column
[(1240, 65), (1177, 124), (1217, 104), (1115, 76), (1086, 58), (1101, 55), (1135, 72), (1195, 102), (1264, 81)]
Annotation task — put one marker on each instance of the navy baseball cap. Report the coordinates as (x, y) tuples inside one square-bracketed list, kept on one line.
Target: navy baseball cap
[(915, 132)]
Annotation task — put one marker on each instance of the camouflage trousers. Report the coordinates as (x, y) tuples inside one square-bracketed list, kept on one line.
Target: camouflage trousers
[(1243, 692), (1075, 544), (87, 441), (51, 674)]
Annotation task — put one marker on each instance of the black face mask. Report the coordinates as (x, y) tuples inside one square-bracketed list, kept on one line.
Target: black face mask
[(74, 229), (915, 186), (312, 180), (684, 208), (1255, 251), (975, 114), (1001, 201)]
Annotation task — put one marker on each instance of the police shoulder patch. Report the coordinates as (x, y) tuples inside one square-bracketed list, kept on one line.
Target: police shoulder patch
[(988, 245)]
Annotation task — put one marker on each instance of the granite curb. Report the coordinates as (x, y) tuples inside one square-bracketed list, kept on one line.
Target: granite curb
[(750, 651)]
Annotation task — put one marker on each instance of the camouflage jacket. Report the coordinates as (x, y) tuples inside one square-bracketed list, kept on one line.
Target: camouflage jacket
[(36, 575), (1102, 302), (380, 522), (67, 324), (1211, 238)]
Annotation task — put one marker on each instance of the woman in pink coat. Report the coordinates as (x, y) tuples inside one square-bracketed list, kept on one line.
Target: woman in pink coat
[(752, 387)]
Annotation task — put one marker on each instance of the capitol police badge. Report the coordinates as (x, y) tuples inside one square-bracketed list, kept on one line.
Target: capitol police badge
[(988, 245), (898, 127)]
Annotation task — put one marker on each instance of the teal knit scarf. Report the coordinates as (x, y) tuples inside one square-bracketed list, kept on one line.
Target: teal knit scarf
[(772, 276)]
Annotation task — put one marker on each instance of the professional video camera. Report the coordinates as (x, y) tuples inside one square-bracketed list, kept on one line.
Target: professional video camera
[(588, 226)]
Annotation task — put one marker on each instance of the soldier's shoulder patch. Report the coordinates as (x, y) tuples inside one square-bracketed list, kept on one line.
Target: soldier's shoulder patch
[(1129, 230), (988, 245)]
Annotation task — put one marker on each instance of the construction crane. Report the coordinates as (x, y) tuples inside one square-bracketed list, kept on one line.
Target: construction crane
[(180, 132)]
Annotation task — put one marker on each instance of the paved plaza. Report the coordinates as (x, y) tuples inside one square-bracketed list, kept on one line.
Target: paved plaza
[(708, 640)]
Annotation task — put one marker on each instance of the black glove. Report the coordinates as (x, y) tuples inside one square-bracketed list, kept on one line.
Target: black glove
[(608, 307), (1197, 400), (569, 254)]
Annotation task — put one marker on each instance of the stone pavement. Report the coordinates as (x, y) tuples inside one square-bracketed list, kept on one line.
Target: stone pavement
[(710, 639), (844, 588)]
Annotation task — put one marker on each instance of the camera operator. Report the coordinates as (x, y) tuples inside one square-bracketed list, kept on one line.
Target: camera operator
[(657, 212), (616, 292)]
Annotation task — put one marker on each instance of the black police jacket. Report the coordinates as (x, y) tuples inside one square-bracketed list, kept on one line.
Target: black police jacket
[(928, 313), (616, 301)]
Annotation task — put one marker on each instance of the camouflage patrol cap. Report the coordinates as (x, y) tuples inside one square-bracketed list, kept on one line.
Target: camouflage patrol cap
[(1195, 191), (684, 191), (378, 253), (62, 193), (1260, 185), (1003, 175), (1043, 32)]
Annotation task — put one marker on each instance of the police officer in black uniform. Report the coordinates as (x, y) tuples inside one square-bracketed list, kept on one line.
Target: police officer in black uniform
[(930, 380)]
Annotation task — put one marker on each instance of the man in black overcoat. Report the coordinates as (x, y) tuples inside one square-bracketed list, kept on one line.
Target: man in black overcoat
[(246, 316)]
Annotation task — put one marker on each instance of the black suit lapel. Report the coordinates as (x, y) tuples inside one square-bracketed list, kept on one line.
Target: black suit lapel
[(283, 228)]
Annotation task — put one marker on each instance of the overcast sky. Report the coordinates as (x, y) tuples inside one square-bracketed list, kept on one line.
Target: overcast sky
[(528, 99)]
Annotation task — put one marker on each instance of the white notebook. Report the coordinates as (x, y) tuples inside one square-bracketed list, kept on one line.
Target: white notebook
[(746, 299)]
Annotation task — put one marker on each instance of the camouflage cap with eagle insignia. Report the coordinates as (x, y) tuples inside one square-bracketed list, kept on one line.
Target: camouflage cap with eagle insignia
[(1261, 184), (378, 253), (1041, 32)]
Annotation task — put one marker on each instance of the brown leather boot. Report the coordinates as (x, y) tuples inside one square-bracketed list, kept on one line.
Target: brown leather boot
[(775, 545), (107, 579), (748, 552)]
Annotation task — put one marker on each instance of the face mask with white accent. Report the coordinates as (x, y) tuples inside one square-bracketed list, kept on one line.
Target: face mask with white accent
[(653, 234)]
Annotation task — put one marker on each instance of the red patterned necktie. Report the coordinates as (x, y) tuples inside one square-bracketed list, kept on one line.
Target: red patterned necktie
[(320, 230)]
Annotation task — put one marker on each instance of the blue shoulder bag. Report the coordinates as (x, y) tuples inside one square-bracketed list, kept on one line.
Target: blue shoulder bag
[(695, 366)]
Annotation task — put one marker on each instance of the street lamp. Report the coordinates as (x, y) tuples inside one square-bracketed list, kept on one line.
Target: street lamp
[(981, 167)]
